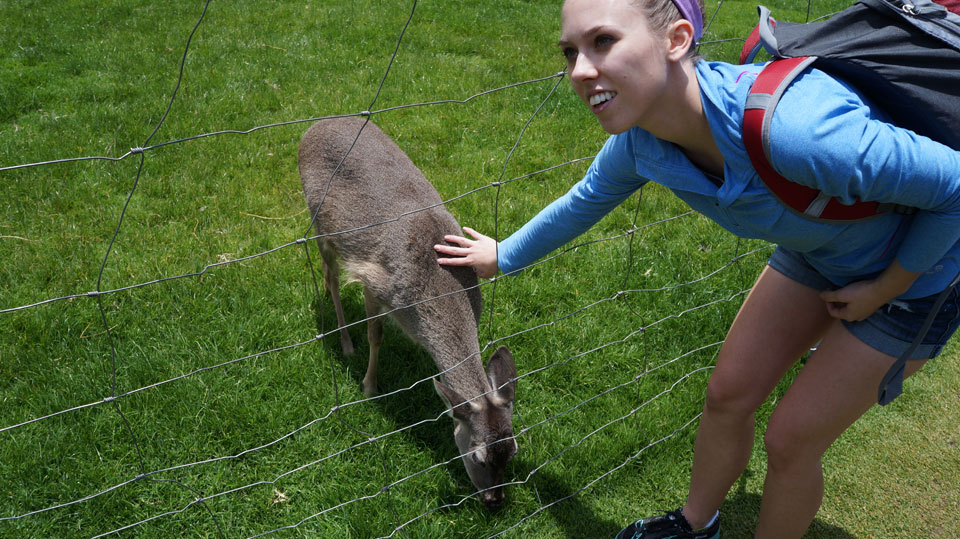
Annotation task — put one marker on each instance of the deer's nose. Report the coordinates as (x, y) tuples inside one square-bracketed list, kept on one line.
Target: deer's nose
[(492, 499)]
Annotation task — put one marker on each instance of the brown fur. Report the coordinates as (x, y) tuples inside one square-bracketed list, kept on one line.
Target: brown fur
[(437, 306)]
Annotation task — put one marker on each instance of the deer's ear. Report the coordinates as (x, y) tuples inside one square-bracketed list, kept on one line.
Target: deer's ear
[(502, 374), (457, 407)]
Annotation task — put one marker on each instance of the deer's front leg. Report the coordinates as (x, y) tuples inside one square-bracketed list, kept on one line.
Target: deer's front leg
[(331, 279), (374, 338)]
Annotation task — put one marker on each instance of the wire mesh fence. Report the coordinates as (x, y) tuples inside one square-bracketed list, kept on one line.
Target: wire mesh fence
[(146, 398)]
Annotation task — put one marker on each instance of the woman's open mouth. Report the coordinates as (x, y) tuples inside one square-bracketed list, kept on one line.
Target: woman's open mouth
[(599, 101)]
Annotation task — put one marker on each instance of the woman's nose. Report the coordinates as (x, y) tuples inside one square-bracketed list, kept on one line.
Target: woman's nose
[(583, 69)]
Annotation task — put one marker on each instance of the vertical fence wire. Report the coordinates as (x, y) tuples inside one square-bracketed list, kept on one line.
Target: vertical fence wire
[(379, 442)]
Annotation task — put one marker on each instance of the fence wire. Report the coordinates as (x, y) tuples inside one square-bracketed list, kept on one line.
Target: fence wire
[(530, 425)]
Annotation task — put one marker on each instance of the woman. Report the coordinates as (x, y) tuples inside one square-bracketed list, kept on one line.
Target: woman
[(862, 290)]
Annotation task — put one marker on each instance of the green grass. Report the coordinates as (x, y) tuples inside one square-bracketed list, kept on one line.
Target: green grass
[(80, 78)]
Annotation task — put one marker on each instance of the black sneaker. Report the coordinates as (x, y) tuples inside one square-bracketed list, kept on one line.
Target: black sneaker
[(670, 526)]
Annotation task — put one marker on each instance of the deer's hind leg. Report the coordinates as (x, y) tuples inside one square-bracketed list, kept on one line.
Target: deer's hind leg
[(331, 280), (374, 338)]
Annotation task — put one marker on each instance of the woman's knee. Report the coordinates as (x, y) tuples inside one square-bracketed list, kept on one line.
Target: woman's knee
[(732, 395), (788, 444)]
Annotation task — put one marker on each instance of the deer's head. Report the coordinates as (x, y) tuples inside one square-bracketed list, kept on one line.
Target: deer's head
[(483, 427)]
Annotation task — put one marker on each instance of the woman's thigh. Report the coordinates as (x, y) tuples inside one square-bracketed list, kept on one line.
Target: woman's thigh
[(837, 385), (779, 321)]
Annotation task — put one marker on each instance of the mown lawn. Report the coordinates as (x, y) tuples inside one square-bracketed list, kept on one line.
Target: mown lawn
[(188, 395)]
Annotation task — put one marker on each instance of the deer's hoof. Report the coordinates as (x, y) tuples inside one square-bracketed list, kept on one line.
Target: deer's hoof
[(370, 389)]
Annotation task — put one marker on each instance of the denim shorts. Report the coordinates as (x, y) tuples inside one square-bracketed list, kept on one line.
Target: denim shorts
[(893, 327)]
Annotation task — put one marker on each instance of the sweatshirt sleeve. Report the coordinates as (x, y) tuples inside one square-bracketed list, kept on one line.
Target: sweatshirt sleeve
[(610, 180), (837, 143)]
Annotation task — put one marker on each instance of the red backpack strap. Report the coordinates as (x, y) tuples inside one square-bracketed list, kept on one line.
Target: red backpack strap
[(806, 201), (751, 46), (951, 5), (754, 43)]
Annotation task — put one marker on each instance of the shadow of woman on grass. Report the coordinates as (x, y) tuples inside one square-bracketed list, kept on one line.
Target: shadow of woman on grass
[(741, 510)]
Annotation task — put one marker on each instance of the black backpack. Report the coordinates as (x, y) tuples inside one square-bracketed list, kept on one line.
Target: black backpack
[(903, 54)]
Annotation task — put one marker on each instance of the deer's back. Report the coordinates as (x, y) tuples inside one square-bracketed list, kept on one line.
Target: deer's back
[(377, 184)]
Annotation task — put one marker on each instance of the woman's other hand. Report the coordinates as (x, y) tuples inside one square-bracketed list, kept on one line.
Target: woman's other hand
[(479, 253), (854, 302), (860, 299)]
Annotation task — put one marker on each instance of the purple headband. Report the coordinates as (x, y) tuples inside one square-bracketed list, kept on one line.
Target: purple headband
[(690, 10)]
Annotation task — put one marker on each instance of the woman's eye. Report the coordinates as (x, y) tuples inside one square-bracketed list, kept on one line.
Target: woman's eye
[(569, 53), (603, 40)]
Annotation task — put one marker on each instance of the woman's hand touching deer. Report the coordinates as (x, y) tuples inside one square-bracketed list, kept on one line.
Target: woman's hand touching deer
[(480, 253)]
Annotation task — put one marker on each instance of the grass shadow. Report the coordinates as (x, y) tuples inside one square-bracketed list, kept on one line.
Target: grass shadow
[(576, 519), (742, 509), (402, 364)]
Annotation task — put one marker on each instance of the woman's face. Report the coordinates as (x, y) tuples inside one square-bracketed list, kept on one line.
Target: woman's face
[(617, 65)]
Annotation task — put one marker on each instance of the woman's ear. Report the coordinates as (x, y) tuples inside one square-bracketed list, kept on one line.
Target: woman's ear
[(679, 39)]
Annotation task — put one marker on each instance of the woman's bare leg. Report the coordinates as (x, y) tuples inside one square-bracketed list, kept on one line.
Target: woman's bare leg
[(778, 322), (837, 385)]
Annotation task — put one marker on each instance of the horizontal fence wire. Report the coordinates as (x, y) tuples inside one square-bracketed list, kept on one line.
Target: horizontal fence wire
[(532, 377), (336, 409)]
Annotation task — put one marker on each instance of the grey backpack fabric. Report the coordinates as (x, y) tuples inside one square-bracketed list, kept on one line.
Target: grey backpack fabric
[(905, 55)]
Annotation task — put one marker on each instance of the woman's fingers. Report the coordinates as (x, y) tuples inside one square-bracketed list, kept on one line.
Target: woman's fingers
[(450, 250), (853, 302), (474, 233), (479, 253), (459, 261), (459, 240), (461, 253)]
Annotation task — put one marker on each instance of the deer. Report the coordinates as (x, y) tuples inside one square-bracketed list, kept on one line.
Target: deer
[(377, 216)]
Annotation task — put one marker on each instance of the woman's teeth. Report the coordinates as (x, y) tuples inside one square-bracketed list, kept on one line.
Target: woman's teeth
[(601, 98)]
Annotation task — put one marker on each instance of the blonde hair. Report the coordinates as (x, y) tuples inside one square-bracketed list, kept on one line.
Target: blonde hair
[(660, 13)]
